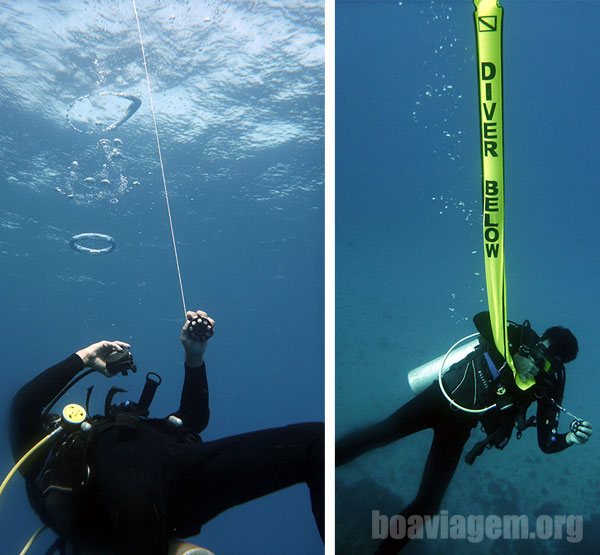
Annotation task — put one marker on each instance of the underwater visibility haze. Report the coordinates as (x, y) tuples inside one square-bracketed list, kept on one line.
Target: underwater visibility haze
[(238, 94)]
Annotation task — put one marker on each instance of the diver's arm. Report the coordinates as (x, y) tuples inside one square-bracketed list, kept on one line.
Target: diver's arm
[(483, 324), (549, 440), (193, 408), (26, 425), (516, 333), (548, 411), (547, 425), (29, 402)]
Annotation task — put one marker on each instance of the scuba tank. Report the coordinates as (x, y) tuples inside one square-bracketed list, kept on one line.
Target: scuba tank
[(421, 377)]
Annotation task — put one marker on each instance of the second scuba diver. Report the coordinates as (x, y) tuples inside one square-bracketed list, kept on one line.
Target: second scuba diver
[(479, 380), (124, 483)]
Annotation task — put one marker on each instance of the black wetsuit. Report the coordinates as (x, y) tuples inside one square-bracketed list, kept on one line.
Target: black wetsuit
[(451, 427), (154, 481)]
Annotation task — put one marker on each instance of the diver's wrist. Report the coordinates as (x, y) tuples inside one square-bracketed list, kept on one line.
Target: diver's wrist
[(193, 360), (84, 356)]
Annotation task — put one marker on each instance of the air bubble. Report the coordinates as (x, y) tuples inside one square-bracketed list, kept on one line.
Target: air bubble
[(77, 243)]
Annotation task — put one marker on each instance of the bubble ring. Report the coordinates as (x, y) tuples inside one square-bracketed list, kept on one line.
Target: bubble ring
[(75, 243), (135, 103)]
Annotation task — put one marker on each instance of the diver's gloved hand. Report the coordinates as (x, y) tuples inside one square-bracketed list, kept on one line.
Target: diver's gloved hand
[(581, 431), (107, 357), (194, 349)]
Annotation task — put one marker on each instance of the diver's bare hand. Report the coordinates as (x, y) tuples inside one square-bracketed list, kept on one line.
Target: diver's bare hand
[(95, 356), (581, 431), (194, 350)]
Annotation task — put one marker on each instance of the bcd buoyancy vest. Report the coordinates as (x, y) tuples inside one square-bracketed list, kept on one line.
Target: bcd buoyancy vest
[(476, 382), (57, 490)]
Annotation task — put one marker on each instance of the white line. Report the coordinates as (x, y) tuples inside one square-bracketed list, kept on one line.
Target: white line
[(162, 168)]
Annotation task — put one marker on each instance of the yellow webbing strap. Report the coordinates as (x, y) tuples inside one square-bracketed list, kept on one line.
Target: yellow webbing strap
[(488, 28)]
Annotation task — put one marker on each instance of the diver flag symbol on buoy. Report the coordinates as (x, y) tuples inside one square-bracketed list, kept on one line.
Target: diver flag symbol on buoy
[(487, 23)]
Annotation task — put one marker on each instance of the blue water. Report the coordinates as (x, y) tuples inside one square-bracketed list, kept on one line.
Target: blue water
[(238, 91), (409, 262)]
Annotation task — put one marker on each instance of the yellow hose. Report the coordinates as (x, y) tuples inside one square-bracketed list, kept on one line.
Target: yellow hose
[(32, 539), (26, 456)]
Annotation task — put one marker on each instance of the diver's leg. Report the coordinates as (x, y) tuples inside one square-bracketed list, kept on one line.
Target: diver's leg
[(209, 478), (441, 464), (412, 417)]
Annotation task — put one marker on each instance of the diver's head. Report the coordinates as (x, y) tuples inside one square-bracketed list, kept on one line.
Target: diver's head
[(561, 344), (556, 347)]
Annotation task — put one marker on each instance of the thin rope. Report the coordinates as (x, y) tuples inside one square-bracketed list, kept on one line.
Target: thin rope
[(162, 168)]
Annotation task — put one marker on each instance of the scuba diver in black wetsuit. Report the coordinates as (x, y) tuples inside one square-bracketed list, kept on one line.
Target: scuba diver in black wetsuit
[(479, 380), (124, 483)]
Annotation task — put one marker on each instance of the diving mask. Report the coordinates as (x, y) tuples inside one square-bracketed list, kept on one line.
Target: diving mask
[(541, 357)]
